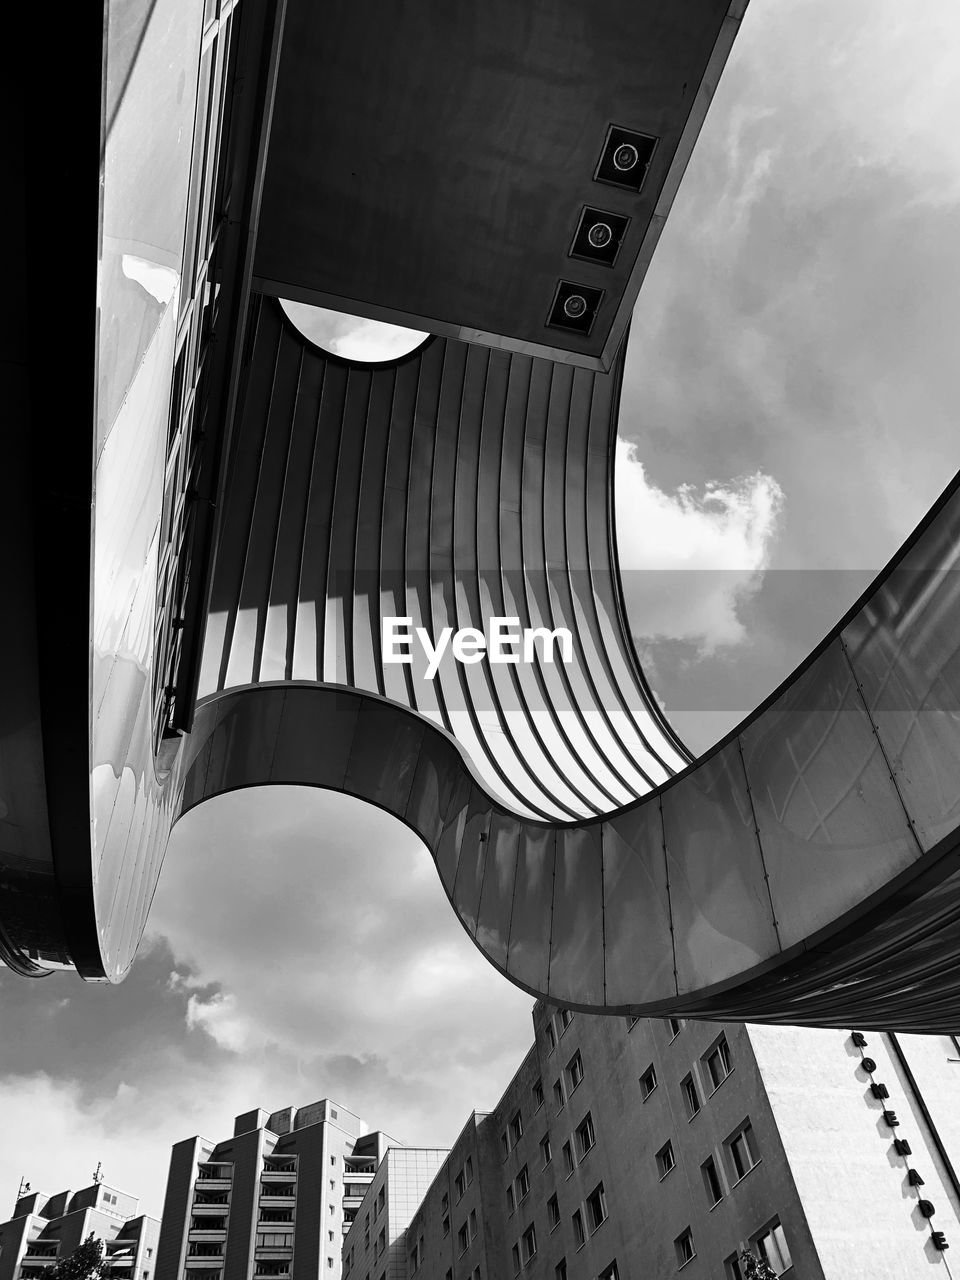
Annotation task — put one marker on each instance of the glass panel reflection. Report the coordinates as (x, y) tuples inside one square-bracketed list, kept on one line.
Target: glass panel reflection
[(496, 898), (721, 912), (466, 892), (440, 788), (832, 827), (905, 647), (384, 755), (451, 839), (316, 736), (528, 959), (639, 947), (245, 741), (576, 961)]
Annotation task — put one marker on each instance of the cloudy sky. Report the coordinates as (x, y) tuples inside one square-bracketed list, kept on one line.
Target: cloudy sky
[(788, 415)]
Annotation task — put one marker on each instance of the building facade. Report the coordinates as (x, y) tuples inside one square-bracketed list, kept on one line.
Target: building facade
[(374, 1246), (273, 1201), (635, 1150), (44, 1230)]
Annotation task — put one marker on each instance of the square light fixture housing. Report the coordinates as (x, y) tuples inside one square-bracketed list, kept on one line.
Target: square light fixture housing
[(599, 235), (625, 158), (575, 307)]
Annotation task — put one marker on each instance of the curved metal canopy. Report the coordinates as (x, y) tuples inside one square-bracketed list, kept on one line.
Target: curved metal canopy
[(805, 871), (802, 872), (460, 484)]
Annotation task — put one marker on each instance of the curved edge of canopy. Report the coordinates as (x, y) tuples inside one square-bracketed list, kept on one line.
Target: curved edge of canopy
[(806, 870)]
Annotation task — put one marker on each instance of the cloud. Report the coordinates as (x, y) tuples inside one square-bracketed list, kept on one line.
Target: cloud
[(798, 321), (689, 560), (319, 956), (352, 337)]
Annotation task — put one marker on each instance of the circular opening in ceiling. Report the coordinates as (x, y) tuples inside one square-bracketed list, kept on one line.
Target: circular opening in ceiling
[(352, 338)]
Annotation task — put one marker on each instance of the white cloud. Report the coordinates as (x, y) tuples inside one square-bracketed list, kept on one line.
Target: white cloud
[(221, 1019), (352, 337), (690, 559), (333, 964)]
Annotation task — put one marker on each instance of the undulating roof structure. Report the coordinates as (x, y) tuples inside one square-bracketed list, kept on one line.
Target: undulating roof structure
[(217, 520)]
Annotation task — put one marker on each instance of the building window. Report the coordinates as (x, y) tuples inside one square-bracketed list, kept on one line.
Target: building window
[(565, 1017), (446, 1224), (523, 1184), (515, 1253), (551, 1037), (648, 1082), (567, 1158), (558, 1097), (553, 1212), (333, 1185), (609, 1272), (596, 1207), (504, 1144), (742, 1151), (473, 1224), (538, 1094), (445, 1203), (560, 1270), (631, 1022), (528, 1243), (462, 1239), (717, 1062), (676, 1026), (684, 1247), (711, 1181), (579, 1235), (691, 1098), (546, 1155), (732, 1268), (665, 1159), (460, 1183), (586, 1135), (511, 1199), (469, 1170), (382, 1240), (772, 1247), (575, 1071), (476, 1273), (516, 1129)]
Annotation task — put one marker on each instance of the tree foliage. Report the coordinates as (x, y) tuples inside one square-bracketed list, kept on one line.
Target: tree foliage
[(755, 1268), (85, 1263)]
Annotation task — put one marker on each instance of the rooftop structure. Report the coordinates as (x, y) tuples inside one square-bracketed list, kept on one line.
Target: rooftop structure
[(45, 1230), (272, 1201)]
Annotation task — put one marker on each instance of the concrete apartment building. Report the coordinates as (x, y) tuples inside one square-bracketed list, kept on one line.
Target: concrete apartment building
[(45, 1229), (273, 1201), (634, 1150), (374, 1248)]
